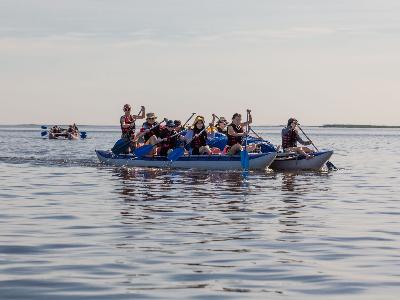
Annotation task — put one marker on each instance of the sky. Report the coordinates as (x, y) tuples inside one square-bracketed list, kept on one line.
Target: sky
[(323, 62)]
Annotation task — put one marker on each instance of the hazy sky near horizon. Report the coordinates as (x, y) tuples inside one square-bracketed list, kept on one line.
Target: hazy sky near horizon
[(80, 61)]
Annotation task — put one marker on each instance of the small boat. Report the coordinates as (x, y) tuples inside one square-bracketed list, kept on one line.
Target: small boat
[(296, 162), (258, 161)]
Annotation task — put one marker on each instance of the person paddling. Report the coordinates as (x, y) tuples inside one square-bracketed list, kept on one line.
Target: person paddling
[(168, 138), (198, 137), (221, 125), (236, 133), (290, 137), (128, 126)]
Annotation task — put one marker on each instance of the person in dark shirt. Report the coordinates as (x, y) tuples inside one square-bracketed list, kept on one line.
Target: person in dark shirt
[(168, 138), (290, 138)]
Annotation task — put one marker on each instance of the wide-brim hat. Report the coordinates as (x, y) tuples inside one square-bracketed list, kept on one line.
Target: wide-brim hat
[(151, 116), (198, 118)]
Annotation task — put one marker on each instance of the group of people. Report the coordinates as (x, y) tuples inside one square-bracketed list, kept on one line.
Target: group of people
[(194, 138), (71, 132)]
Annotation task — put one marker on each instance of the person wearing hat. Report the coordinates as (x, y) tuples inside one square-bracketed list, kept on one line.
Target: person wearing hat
[(198, 136), (290, 137), (167, 139), (149, 132), (221, 125)]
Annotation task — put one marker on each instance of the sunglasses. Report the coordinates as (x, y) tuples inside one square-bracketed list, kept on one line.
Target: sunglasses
[(151, 118)]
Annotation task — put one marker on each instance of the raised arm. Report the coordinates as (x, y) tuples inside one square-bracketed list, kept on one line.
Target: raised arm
[(301, 141), (250, 119), (141, 115)]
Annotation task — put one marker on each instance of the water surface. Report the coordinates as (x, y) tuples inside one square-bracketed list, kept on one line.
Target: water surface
[(74, 229)]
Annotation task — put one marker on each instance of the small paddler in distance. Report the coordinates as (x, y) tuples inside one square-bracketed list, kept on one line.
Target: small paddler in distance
[(128, 126), (290, 138)]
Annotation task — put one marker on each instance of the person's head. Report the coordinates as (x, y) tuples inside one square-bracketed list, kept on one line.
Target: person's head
[(292, 122), (151, 118), (222, 123), (170, 125), (236, 118), (177, 123), (198, 123), (127, 109)]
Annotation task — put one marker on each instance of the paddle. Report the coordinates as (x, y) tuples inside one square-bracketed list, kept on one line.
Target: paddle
[(178, 152), (244, 154), (83, 134), (329, 165), (43, 127), (141, 151), (43, 133)]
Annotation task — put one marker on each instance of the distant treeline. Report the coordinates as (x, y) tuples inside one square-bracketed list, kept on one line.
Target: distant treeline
[(357, 126)]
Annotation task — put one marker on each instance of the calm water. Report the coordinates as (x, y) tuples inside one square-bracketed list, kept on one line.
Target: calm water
[(73, 229)]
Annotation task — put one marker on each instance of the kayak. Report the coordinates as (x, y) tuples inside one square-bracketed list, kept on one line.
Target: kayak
[(257, 161), (296, 162)]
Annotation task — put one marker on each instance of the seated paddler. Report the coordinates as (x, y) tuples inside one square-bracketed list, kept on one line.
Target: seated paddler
[(290, 138)]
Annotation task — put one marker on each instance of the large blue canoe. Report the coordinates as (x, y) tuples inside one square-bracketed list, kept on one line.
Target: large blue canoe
[(258, 161)]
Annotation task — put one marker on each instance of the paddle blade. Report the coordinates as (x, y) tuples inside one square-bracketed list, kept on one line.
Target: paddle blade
[(120, 146), (83, 135), (143, 150), (244, 159), (43, 133), (331, 166), (43, 127), (176, 154)]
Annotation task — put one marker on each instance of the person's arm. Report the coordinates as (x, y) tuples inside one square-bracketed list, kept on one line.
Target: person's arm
[(250, 119), (142, 115), (301, 141)]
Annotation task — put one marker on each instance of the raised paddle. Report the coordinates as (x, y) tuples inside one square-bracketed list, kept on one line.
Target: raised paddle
[(329, 165), (244, 154), (43, 127), (141, 151), (178, 152)]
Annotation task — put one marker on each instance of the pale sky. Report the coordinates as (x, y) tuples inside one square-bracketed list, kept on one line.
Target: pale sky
[(64, 61)]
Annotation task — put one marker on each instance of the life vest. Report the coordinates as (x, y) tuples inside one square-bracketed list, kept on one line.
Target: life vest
[(170, 143), (128, 120), (200, 140), (220, 130), (233, 140), (155, 131), (289, 138)]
